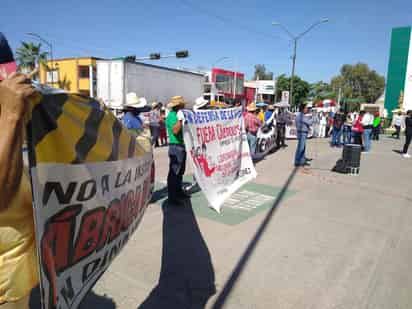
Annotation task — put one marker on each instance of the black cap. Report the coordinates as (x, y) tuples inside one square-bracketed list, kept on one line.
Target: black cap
[(6, 55)]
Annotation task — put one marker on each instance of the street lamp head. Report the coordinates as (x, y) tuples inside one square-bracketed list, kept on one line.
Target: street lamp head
[(275, 23), (324, 20)]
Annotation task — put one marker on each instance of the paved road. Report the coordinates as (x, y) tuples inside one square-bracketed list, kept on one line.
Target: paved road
[(335, 241)]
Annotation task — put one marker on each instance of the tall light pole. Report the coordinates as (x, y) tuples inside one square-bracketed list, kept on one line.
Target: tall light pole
[(50, 47), (295, 40)]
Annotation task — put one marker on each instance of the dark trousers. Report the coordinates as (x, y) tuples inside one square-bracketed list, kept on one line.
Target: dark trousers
[(357, 138), (280, 135), (177, 166), (155, 133), (407, 143), (397, 132), (375, 133)]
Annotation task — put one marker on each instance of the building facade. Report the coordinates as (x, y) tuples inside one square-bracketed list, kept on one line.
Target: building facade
[(399, 77), (76, 75), (228, 83)]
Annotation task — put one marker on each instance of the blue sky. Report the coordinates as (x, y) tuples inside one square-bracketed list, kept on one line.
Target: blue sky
[(357, 31)]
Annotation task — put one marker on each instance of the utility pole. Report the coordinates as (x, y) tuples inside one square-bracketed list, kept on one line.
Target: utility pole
[(295, 40), (339, 96)]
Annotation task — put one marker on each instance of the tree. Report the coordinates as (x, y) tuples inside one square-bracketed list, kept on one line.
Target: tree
[(301, 88), (359, 82), (321, 91), (261, 74), (29, 56)]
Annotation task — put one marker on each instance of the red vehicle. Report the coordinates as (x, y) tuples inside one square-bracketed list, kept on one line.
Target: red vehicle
[(229, 83)]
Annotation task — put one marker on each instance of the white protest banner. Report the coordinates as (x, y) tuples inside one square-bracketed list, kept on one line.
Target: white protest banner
[(291, 131), (218, 150), (92, 182)]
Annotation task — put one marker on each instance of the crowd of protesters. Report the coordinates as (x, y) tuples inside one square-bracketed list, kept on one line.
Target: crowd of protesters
[(18, 260)]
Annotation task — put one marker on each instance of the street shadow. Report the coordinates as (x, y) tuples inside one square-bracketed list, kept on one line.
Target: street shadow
[(159, 195), (187, 278), (242, 263), (397, 151), (91, 300)]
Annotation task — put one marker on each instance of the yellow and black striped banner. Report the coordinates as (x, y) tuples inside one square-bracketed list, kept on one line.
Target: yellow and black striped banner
[(81, 128), (92, 181)]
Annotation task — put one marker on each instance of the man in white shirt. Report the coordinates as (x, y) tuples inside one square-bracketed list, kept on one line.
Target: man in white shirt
[(397, 122), (367, 123)]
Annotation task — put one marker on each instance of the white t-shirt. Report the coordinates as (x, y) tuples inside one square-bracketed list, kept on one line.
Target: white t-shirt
[(397, 121), (367, 120)]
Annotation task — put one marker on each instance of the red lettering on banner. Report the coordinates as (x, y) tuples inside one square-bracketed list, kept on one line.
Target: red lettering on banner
[(112, 223), (145, 195), (206, 135), (90, 228), (56, 245), (225, 132), (137, 202), (98, 228)]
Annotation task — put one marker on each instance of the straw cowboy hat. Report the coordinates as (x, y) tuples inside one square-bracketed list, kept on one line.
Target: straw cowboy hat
[(132, 100), (200, 102), (252, 107), (176, 101)]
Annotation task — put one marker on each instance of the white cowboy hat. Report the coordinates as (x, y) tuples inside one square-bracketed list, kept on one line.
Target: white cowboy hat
[(142, 103), (132, 100), (199, 103)]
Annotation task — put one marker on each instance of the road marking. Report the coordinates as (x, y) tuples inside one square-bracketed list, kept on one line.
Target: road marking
[(247, 200)]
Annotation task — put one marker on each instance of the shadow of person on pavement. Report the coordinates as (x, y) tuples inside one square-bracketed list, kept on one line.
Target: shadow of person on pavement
[(187, 278), (159, 194), (91, 300)]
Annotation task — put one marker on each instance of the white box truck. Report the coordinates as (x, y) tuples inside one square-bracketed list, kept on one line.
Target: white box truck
[(116, 78)]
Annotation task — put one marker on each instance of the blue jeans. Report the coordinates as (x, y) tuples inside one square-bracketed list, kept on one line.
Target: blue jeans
[(347, 135), (367, 139), (300, 158), (336, 136), (252, 140)]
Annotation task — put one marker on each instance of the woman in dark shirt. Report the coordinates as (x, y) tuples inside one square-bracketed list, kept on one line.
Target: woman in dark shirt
[(408, 132)]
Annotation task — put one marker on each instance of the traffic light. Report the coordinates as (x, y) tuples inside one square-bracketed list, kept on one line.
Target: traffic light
[(155, 56), (130, 58), (182, 54)]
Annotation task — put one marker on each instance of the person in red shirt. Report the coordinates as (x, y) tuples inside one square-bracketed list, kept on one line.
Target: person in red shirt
[(357, 129)]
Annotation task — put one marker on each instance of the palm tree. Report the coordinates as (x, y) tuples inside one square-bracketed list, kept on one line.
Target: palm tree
[(29, 56)]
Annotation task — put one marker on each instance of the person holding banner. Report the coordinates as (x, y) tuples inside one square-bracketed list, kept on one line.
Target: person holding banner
[(18, 258), (177, 152), (252, 124)]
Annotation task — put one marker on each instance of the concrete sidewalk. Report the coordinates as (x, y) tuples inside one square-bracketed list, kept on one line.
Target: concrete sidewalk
[(338, 242)]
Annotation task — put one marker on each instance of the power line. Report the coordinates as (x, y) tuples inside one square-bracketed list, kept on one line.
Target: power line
[(228, 20)]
